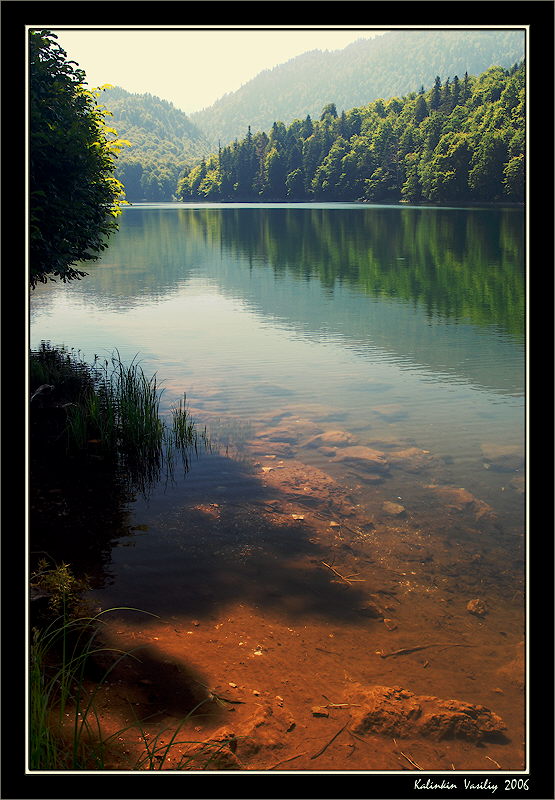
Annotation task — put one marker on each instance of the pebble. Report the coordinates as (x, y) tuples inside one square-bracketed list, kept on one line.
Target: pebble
[(477, 607), (393, 509)]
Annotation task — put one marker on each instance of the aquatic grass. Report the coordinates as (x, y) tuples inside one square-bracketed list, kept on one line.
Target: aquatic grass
[(59, 654), (58, 658), (113, 411), (157, 752), (183, 427), (60, 367), (136, 401)]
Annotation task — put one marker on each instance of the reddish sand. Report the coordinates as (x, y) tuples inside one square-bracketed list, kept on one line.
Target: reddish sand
[(275, 673)]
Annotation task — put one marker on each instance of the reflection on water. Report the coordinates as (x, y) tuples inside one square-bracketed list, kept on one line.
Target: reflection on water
[(401, 328)]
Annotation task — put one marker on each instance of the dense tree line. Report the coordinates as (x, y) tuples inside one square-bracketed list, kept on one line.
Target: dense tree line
[(390, 65), (463, 139), (163, 143), (75, 196)]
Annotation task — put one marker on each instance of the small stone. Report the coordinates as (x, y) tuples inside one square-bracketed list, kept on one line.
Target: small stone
[(477, 607), (370, 609), (319, 711), (335, 525), (233, 685), (393, 509)]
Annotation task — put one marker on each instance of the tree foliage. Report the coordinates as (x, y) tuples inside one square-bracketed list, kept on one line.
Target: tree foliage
[(390, 65), (74, 197), (463, 140), (164, 142)]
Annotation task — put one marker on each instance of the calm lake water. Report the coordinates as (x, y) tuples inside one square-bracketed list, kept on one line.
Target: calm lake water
[(397, 326)]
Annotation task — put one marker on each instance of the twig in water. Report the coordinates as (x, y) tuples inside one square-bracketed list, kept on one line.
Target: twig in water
[(495, 762), (349, 579), (285, 760), (414, 764), (338, 705), (406, 650), (333, 738), (330, 652), (356, 736)]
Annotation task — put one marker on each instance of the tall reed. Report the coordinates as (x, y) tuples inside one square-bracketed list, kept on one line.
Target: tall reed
[(113, 409)]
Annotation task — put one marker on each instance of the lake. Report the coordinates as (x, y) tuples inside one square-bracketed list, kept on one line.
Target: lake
[(360, 371)]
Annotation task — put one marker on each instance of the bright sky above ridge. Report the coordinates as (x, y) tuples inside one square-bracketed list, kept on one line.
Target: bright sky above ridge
[(191, 68)]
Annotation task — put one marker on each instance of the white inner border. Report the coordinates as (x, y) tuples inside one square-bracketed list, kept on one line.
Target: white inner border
[(404, 773)]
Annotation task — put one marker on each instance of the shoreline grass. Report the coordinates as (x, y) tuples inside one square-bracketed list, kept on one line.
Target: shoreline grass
[(65, 729), (107, 415), (111, 410)]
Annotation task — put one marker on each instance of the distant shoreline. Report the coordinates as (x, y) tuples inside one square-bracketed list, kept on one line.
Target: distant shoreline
[(362, 203), (292, 201)]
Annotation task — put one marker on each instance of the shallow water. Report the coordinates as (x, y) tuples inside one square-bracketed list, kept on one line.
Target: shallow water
[(395, 329)]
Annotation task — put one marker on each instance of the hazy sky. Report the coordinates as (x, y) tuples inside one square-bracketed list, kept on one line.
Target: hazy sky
[(191, 68)]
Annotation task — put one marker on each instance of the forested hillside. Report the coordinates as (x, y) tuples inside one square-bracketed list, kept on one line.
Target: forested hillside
[(394, 64), (462, 140), (163, 143)]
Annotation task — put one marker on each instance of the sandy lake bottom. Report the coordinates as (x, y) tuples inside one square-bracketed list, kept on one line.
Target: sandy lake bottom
[(328, 603)]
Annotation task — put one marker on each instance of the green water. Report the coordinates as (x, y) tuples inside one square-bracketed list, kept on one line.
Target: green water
[(401, 324)]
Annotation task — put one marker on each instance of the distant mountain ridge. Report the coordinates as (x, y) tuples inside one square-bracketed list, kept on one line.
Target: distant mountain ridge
[(166, 142), (386, 66)]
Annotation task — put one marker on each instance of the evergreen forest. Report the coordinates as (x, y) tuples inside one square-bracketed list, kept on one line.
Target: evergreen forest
[(462, 140)]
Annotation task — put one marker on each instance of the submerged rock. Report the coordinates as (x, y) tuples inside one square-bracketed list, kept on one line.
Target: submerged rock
[(393, 509), (371, 609), (518, 483), (514, 671), (265, 729), (363, 456), (267, 447), (477, 607), (391, 412), (459, 499), (502, 457), (394, 711), (288, 434), (331, 439), (412, 459)]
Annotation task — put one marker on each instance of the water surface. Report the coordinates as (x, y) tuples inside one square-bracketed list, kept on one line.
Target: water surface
[(401, 326)]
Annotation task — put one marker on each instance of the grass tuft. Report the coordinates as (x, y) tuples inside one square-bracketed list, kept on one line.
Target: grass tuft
[(111, 410)]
